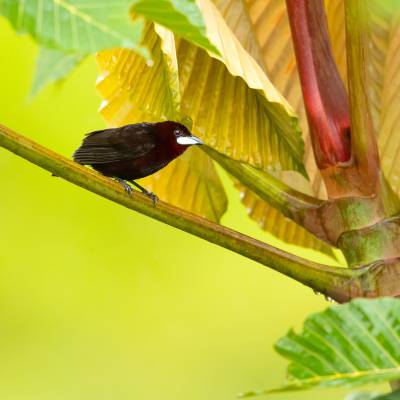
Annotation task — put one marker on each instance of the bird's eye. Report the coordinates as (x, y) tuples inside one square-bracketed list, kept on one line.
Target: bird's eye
[(177, 132)]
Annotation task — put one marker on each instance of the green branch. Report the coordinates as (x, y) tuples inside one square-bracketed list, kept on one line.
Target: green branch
[(332, 281), (307, 211), (288, 201)]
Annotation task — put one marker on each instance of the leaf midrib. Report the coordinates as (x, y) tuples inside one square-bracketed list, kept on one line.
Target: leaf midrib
[(355, 374), (73, 10)]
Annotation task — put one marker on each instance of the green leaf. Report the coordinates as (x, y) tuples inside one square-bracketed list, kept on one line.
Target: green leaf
[(362, 396), (182, 17), (389, 396), (52, 66), (82, 26), (374, 396), (346, 345)]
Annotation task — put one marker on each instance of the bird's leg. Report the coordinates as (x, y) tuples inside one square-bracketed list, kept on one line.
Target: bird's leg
[(146, 192), (128, 188)]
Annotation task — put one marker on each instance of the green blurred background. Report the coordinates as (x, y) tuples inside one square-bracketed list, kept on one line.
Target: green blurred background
[(98, 302)]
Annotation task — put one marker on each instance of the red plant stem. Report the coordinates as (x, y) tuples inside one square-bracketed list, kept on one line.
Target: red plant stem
[(324, 94)]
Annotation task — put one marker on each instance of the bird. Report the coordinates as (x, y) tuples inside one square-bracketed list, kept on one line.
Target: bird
[(134, 151)]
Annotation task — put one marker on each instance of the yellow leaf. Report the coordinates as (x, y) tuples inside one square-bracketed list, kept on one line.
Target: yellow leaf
[(384, 25), (192, 183), (265, 22), (272, 221), (234, 107), (382, 65), (337, 32), (135, 91), (262, 26)]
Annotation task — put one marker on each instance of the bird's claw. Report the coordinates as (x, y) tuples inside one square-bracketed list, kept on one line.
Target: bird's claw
[(128, 188), (152, 196)]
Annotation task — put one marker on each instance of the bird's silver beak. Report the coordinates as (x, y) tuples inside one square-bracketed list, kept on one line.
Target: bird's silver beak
[(188, 140)]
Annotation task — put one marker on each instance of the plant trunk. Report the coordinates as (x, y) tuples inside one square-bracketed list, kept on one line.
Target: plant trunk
[(360, 215)]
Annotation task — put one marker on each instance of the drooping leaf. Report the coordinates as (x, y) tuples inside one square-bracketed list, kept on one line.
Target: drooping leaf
[(379, 26), (52, 66), (337, 33), (233, 105), (135, 91), (263, 131), (263, 29), (180, 16), (385, 33), (256, 125), (236, 15), (267, 31), (270, 28), (346, 345), (82, 26)]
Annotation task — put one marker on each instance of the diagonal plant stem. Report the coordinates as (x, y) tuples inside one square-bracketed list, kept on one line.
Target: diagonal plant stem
[(299, 207), (289, 201), (332, 281)]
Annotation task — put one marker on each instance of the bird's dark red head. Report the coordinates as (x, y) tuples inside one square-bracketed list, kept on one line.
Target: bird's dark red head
[(175, 136)]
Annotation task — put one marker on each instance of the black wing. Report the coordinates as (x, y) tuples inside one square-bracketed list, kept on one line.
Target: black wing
[(116, 144)]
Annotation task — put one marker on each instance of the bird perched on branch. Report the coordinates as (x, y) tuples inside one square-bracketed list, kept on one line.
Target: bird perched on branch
[(134, 151)]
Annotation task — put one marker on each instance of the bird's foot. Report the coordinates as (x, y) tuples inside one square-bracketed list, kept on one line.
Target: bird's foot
[(128, 188), (152, 196)]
